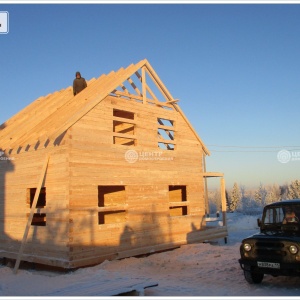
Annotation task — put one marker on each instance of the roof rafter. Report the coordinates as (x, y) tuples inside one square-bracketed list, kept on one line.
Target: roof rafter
[(48, 118)]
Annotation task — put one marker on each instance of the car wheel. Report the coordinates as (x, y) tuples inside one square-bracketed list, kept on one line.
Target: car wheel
[(253, 277)]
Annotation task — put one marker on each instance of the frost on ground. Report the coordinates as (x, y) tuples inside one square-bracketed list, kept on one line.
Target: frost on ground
[(203, 269)]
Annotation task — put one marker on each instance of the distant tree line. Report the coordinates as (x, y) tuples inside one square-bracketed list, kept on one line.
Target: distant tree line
[(239, 199)]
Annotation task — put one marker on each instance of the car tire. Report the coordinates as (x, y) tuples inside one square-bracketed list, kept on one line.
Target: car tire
[(253, 277)]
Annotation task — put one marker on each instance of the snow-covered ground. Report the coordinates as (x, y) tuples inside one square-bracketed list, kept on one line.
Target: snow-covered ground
[(204, 269)]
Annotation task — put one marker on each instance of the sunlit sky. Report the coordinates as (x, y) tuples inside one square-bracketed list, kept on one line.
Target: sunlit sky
[(234, 67)]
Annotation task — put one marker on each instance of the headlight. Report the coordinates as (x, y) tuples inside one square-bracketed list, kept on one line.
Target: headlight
[(293, 249), (247, 247)]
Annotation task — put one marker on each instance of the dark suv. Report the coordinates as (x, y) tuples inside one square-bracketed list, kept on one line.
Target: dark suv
[(275, 250)]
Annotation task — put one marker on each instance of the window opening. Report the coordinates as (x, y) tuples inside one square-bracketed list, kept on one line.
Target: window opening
[(166, 146), (39, 218), (123, 130), (165, 134), (124, 141), (122, 127), (177, 197), (123, 114), (111, 204), (165, 122)]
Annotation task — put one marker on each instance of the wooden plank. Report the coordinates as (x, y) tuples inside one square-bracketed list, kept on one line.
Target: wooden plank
[(144, 84), (134, 86), (122, 120), (223, 200), (123, 135), (212, 174), (166, 127), (207, 209), (14, 122), (156, 80), (160, 139), (47, 111), (108, 284), (33, 207), (99, 209), (140, 99), (142, 108), (177, 203), (209, 233), (35, 121)]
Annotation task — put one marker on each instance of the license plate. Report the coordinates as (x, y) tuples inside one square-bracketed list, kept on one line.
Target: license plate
[(264, 264)]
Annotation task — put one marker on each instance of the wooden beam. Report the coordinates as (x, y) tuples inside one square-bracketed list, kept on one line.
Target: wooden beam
[(165, 127), (173, 101), (101, 209), (33, 207), (144, 84), (162, 140), (212, 174), (223, 200), (156, 80), (207, 210), (140, 99), (179, 203), (124, 120), (124, 135), (134, 86)]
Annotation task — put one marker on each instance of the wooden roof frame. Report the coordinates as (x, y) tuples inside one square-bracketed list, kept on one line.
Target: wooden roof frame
[(28, 129)]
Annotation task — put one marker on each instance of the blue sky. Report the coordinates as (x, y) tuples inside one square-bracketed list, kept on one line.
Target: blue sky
[(234, 67)]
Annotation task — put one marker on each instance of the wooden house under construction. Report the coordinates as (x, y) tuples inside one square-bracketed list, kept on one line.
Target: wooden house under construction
[(113, 172)]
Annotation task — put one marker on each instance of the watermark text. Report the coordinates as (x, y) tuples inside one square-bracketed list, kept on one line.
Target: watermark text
[(3, 157), (133, 156), (285, 156)]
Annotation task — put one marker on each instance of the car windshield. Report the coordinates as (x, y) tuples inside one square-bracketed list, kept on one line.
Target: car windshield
[(277, 215)]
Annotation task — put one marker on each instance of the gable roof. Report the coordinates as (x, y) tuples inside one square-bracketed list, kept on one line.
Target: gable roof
[(48, 118)]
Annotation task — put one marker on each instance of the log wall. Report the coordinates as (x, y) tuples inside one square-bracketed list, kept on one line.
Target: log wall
[(140, 214), (111, 190), (48, 242)]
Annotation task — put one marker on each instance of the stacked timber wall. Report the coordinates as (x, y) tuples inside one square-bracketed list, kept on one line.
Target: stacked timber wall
[(48, 237), (128, 196), (127, 179)]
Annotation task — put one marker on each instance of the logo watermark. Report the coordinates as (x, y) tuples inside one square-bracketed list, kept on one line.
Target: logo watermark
[(3, 157), (3, 22), (285, 156), (133, 156)]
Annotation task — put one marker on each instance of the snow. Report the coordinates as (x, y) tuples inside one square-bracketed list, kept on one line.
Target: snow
[(193, 270)]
